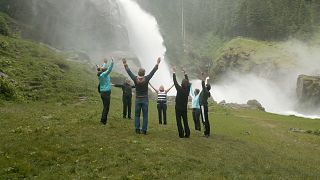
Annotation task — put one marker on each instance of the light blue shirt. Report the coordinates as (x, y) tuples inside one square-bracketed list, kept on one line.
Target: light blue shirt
[(195, 99), (104, 79)]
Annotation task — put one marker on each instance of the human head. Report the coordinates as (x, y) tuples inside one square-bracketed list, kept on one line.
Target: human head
[(184, 83), (196, 91), (127, 81), (105, 60), (208, 86), (141, 72), (161, 88)]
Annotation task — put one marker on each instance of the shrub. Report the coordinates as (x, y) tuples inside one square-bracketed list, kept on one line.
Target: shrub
[(4, 28), (7, 89)]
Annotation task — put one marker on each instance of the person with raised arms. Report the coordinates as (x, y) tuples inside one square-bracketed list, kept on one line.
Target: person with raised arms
[(203, 101), (126, 97), (142, 101), (195, 108), (162, 102), (181, 107), (105, 90)]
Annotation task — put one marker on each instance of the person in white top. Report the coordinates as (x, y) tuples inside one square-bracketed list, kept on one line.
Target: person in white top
[(162, 103)]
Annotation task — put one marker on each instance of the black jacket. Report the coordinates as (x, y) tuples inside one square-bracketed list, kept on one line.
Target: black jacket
[(204, 95), (126, 89), (182, 94)]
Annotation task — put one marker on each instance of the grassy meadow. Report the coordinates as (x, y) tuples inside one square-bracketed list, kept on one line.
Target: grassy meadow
[(49, 129), (66, 141)]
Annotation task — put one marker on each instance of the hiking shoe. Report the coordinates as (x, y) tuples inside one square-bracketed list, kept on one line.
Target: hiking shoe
[(138, 131), (206, 135), (144, 132), (103, 122)]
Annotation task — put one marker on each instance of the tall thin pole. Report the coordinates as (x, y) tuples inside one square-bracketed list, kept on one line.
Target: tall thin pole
[(182, 25)]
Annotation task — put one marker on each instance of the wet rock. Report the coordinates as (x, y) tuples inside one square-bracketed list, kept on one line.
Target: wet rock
[(255, 104), (308, 90)]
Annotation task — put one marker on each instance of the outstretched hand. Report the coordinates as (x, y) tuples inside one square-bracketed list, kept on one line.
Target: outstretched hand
[(174, 69), (158, 60), (124, 61), (184, 71)]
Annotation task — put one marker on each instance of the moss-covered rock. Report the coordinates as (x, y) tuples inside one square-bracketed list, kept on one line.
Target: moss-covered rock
[(308, 90), (251, 56)]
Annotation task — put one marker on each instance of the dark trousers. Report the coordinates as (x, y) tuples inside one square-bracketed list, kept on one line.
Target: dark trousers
[(105, 96), (205, 119), (162, 110), (141, 104), (126, 106), (196, 118), (182, 114)]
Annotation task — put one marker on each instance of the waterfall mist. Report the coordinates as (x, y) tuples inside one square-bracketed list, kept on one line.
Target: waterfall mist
[(146, 41), (277, 95)]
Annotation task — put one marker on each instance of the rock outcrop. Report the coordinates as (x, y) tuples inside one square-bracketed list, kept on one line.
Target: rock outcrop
[(251, 104), (308, 90)]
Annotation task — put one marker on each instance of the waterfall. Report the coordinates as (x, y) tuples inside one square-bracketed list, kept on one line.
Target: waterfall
[(146, 41)]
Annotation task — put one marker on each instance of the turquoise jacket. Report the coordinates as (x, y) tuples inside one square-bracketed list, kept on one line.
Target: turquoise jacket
[(104, 79), (195, 99)]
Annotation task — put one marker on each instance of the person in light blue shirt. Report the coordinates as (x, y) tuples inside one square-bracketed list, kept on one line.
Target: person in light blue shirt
[(196, 108), (105, 90)]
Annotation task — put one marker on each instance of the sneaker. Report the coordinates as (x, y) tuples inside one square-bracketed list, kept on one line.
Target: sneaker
[(138, 131), (103, 122), (144, 132)]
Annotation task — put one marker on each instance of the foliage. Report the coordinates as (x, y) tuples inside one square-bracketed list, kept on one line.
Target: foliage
[(7, 89), (40, 73), (4, 27)]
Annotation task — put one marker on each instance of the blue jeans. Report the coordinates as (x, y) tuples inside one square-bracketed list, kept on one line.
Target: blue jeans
[(141, 104)]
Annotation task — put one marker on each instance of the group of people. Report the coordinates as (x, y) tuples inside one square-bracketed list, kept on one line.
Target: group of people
[(141, 84)]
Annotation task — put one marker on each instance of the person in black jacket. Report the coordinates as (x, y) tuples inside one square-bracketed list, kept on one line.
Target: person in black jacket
[(203, 100), (181, 108), (142, 101), (126, 97)]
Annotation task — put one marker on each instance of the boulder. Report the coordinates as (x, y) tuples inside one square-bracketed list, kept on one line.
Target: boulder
[(308, 90), (255, 105)]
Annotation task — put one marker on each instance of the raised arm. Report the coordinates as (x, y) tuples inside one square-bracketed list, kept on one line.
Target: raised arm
[(192, 93), (150, 75), (153, 88), (175, 82), (132, 76), (185, 74), (108, 71), (169, 88)]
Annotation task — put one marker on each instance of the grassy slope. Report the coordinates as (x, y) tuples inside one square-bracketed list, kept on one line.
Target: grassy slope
[(40, 73), (59, 141), (59, 135)]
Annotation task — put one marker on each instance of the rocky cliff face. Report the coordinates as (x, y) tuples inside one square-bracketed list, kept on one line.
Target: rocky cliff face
[(308, 91), (91, 26)]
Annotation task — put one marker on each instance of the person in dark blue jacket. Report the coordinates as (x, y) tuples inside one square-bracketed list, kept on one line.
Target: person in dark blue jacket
[(105, 90)]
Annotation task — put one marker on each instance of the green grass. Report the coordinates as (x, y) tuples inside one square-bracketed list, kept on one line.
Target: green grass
[(39, 73), (50, 141)]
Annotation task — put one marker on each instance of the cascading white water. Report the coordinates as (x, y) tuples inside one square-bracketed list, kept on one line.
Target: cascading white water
[(146, 41)]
